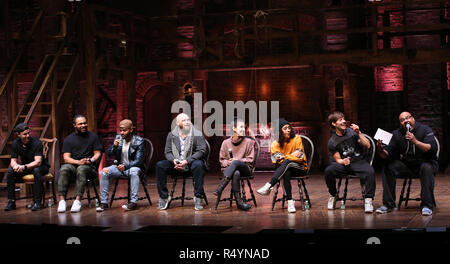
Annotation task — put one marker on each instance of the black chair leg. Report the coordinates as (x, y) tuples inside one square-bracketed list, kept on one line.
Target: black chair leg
[(402, 193), (231, 197), (114, 192), (244, 197), (217, 201), (251, 192), (206, 199), (146, 192), (88, 193), (53, 192), (344, 200), (300, 191), (306, 193), (129, 190), (183, 192), (408, 192)]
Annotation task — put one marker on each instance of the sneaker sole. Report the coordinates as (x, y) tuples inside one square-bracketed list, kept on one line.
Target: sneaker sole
[(167, 205)]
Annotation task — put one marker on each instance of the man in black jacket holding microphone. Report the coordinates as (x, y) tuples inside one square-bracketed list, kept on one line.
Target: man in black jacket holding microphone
[(128, 151), (411, 151)]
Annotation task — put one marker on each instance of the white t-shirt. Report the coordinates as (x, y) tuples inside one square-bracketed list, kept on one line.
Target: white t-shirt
[(125, 148)]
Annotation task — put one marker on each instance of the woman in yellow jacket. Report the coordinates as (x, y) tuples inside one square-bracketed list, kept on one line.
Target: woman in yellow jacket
[(288, 155)]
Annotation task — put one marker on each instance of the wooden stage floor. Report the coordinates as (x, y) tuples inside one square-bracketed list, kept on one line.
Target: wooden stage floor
[(232, 220)]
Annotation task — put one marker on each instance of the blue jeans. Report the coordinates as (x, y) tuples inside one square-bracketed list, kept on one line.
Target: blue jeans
[(133, 173), (165, 167)]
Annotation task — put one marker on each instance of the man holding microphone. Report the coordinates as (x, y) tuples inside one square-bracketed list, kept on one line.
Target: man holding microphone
[(128, 151), (411, 151)]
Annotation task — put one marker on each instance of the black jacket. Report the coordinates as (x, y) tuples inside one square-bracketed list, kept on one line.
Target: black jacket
[(136, 153)]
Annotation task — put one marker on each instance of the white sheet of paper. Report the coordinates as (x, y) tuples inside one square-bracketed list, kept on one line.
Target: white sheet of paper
[(383, 135)]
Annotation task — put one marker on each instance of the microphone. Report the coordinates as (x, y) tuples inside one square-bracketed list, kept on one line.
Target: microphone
[(408, 127), (116, 162), (119, 137), (230, 151)]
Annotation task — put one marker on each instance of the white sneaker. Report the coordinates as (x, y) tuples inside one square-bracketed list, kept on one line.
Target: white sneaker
[(61, 206), (76, 207), (291, 206), (265, 190), (368, 207), (331, 203)]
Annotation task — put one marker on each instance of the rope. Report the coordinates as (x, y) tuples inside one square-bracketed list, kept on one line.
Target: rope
[(239, 47), (199, 39), (257, 24)]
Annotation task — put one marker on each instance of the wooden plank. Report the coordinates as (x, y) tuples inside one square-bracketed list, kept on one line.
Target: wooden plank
[(254, 220), (89, 60)]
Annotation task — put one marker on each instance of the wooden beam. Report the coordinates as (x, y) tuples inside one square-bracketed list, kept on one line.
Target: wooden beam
[(360, 57), (89, 61), (12, 99)]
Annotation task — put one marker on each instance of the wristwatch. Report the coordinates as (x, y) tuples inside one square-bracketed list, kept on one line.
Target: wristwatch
[(25, 167)]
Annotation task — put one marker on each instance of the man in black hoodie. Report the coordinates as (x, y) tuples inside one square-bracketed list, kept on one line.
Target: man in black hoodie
[(411, 151)]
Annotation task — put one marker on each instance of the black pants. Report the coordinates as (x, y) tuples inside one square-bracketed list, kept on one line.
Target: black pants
[(235, 171), (283, 172), (398, 169), (361, 169), (165, 167), (12, 177)]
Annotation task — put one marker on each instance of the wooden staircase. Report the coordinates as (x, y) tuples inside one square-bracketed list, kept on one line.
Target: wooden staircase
[(47, 101)]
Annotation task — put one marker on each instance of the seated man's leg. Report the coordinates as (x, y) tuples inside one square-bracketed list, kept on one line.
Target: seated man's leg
[(11, 177), (134, 173), (107, 174), (163, 168), (332, 171), (83, 172), (364, 171), (198, 171), (391, 172), (426, 173), (66, 171), (39, 173)]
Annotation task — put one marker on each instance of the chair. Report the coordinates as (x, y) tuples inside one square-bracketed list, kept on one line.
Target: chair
[(143, 178), (309, 151), (185, 176), (243, 179), (48, 150), (409, 180), (370, 155)]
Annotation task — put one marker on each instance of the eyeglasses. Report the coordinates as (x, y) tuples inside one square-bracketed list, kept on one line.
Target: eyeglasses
[(404, 119)]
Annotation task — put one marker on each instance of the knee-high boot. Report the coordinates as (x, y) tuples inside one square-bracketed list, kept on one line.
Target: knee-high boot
[(223, 183)]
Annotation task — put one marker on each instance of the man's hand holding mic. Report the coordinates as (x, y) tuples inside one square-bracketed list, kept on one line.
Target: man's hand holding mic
[(410, 136)]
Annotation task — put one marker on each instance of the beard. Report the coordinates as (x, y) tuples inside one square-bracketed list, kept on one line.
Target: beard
[(80, 132)]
